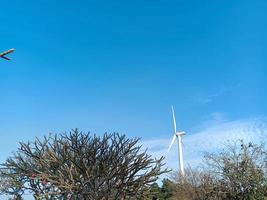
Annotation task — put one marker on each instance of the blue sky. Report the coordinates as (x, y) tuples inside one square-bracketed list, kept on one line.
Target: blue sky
[(120, 65)]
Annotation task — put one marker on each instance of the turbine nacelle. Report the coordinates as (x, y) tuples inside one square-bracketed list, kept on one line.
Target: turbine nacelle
[(180, 133), (175, 136)]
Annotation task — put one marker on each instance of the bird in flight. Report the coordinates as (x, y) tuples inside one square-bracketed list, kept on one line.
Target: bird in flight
[(3, 54)]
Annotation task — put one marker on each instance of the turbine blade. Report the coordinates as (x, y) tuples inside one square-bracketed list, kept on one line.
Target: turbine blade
[(174, 120), (173, 140)]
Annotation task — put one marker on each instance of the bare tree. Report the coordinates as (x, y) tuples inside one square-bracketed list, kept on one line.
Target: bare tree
[(83, 166), (195, 184), (11, 185)]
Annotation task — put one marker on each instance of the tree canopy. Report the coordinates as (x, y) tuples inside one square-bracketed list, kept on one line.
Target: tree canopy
[(237, 173), (80, 166)]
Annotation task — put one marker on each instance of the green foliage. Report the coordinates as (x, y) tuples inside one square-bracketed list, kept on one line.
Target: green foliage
[(166, 190), (236, 173), (240, 171), (155, 192)]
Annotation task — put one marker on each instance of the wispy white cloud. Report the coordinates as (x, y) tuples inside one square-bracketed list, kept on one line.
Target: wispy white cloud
[(211, 97), (210, 138)]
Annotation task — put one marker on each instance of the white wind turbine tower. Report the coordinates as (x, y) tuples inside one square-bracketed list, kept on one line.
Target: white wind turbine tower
[(178, 135)]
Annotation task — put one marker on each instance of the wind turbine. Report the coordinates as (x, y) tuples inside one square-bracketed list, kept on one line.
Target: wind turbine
[(178, 135)]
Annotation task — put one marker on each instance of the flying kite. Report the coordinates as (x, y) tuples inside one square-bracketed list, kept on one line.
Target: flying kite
[(3, 55)]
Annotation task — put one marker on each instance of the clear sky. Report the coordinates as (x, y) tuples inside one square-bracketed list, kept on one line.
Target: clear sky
[(120, 65)]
